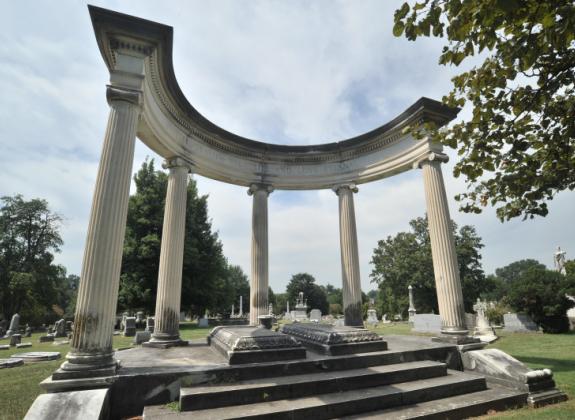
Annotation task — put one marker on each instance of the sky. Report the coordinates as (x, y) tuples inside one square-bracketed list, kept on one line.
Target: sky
[(296, 72)]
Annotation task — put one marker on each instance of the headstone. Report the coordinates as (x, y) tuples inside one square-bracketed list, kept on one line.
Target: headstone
[(38, 356), (5, 347), (203, 323), (123, 323), (15, 339), (23, 345), (140, 321), (411, 311), (14, 325), (142, 337), (315, 315), (12, 362), (519, 323), (130, 326), (60, 328), (28, 332), (300, 312), (470, 321), (182, 316), (61, 342), (270, 309), (340, 322), (46, 338), (372, 317), (150, 324), (483, 330), (427, 323), (384, 319)]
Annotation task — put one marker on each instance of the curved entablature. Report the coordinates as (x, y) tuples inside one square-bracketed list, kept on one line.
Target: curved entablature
[(135, 48)]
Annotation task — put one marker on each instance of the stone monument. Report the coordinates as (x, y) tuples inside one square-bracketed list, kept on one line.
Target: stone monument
[(149, 324), (60, 328), (372, 317), (559, 260), (411, 311), (241, 308), (14, 325), (28, 331), (300, 313), (130, 326), (315, 315), (483, 330)]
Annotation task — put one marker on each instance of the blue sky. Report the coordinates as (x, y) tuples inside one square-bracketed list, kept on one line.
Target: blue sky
[(284, 72)]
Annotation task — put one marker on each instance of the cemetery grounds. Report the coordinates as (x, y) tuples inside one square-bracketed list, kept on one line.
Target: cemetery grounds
[(19, 386)]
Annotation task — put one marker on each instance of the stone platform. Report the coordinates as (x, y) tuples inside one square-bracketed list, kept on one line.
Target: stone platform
[(246, 344), (335, 341)]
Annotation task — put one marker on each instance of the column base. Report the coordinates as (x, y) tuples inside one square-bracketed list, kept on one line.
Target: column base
[(83, 365), (463, 342), (164, 343)]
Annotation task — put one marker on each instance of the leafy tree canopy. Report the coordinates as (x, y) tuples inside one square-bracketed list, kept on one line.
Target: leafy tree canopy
[(405, 259), (208, 281), (30, 283), (517, 151), (314, 294)]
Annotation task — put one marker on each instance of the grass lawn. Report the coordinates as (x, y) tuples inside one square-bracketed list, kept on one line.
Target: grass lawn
[(19, 386)]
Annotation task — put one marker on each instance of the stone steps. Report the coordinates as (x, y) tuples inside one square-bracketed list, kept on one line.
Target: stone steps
[(297, 386), (453, 408), (338, 404)]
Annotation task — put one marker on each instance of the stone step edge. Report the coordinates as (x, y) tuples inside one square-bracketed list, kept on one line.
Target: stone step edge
[(299, 386), (325, 406), (455, 407)]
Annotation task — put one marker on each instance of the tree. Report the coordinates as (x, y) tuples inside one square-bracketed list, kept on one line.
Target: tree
[(314, 294), (406, 260), (516, 152), (541, 293), (205, 274), (30, 283)]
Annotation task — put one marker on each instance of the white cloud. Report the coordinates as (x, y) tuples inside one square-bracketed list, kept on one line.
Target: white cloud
[(285, 72)]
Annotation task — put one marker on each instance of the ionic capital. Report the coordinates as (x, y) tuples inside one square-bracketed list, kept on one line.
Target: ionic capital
[(350, 186), (175, 163), (121, 94), (431, 157), (267, 188)]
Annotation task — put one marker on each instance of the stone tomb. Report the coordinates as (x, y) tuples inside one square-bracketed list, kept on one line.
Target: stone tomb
[(519, 323), (38, 356), (248, 344), (335, 341), (12, 362)]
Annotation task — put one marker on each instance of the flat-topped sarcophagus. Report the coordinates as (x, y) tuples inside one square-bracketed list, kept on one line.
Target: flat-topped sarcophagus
[(249, 344), (334, 341)]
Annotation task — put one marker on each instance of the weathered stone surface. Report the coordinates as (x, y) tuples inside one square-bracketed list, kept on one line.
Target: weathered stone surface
[(38, 356), (60, 328), (11, 362), (150, 324), (23, 345), (501, 368), (46, 338), (5, 347), (86, 405), (203, 323), (519, 323), (130, 326), (315, 315), (14, 325), (142, 337), (15, 339), (247, 344), (61, 342), (427, 323), (332, 340), (372, 317)]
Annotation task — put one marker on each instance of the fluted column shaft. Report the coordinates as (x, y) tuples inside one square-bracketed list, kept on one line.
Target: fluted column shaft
[(349, 257), (167, 317), (445, 266), (259, 279), (91, 348)]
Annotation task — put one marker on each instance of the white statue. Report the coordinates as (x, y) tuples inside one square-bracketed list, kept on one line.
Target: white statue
[(559, 260)]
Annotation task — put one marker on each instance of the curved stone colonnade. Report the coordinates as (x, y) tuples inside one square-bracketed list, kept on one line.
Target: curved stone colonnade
[(146, 101)]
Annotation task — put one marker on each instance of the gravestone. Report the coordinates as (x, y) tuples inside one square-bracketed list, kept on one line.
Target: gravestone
[(130, 326), (315, 315), (483, 330), (427, 323), (203, 323), (470, 321), (385, 320), (123, 323), (5, 347), (140, 321), (23, 345), (340, 322), (28, 332), (300, 312), (142, 337), (372, 317), (519, 323), (46, 338), (15, 339), (38, 356), (14, 325), (60, 328), (150, 324), (12, 362)]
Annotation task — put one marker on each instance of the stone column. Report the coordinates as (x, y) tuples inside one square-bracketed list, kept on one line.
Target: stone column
[(445, 267), (411, 310), (91, 351), (259, 280), (167, 317), (349, 256)]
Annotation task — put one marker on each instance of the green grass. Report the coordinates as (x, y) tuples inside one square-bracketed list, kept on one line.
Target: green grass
[(19, 386)]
